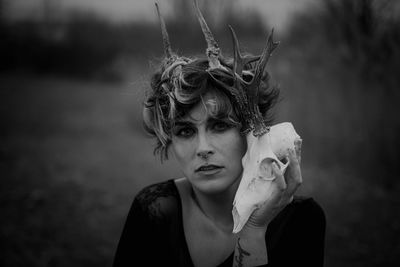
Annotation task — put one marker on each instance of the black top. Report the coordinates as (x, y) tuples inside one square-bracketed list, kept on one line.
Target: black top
[(153, 234)]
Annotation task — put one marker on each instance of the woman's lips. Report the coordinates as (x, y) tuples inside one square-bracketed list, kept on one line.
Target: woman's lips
[(208, 168)]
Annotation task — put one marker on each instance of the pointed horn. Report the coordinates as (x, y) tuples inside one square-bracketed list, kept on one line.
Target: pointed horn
[(239, 60), (167, 44), (236, 53), (269, 48), (211, 43), (259, 125), (260, 67), (213, 51)]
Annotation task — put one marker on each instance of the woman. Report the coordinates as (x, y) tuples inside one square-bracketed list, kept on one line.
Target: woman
[(201, 110)]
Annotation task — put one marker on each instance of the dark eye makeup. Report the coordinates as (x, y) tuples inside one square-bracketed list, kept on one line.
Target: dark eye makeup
[(221, 125), (184, 131), (187, 129)]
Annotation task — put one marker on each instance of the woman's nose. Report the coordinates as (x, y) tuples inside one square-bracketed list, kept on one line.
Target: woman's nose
[(204, 148), (205, 154)]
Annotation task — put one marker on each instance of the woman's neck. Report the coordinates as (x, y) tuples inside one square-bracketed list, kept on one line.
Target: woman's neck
[(217, 207)]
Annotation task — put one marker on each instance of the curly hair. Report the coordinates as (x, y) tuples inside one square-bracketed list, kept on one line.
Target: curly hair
[(171, 98)]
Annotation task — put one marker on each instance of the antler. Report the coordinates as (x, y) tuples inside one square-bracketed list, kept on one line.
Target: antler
[(253, 86), (213, 51), (262, 62), (246, 93), (239, 61), (167, 44)]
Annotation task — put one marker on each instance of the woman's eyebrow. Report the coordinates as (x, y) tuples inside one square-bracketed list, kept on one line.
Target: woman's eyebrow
[(213, 119), (183, 123), (222, 119)]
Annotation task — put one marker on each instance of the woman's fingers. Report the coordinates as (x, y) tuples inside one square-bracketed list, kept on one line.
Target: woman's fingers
[(281, 197), (297, 148), (293, 177), (286, 185), (279, 178)]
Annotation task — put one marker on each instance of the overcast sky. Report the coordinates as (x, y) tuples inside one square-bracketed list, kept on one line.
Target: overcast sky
[(275, 12)]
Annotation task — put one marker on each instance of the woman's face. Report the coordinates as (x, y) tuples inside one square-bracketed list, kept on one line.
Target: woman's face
[(208, 150)]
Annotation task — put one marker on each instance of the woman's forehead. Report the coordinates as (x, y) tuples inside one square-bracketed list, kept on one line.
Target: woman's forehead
[(201, 111), (206, 108)]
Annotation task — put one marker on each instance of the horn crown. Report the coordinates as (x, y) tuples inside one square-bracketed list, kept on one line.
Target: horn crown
[(246, 93)]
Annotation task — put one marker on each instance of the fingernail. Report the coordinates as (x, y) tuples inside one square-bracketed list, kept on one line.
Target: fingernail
[(298, 141), (275, 166)]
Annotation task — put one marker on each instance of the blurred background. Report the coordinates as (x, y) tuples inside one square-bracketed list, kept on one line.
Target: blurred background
[(73, 153)]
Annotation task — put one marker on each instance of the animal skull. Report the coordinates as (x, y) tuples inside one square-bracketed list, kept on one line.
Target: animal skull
[(257, 176)]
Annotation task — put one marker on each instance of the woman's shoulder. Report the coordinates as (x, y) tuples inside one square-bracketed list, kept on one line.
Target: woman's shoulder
[(301, 223), (159, 199), (303, 210), (307, 204), (154, 192)]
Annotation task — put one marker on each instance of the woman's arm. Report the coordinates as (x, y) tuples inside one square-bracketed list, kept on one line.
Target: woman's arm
[(300, 230), (250, 249), (304, 236)]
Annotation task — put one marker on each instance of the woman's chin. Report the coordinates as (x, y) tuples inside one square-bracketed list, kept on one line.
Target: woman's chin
[(213, 184)]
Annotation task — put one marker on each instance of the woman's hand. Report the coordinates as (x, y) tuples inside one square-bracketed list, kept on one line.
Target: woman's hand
[(283, 188)]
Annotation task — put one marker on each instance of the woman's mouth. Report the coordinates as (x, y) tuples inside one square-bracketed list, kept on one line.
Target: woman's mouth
[(208, 169)]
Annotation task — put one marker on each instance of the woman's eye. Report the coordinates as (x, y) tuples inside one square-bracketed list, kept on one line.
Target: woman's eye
[(221, 126), (184, 132)]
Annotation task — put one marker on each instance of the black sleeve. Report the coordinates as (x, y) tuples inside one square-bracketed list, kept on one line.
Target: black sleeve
[(310, 226), (141, 239), (304, 236)]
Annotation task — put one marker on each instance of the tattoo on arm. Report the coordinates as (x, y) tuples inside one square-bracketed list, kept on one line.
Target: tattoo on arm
[(241, 253)]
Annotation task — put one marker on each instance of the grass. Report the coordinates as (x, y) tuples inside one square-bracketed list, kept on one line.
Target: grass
[(70, 168)]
